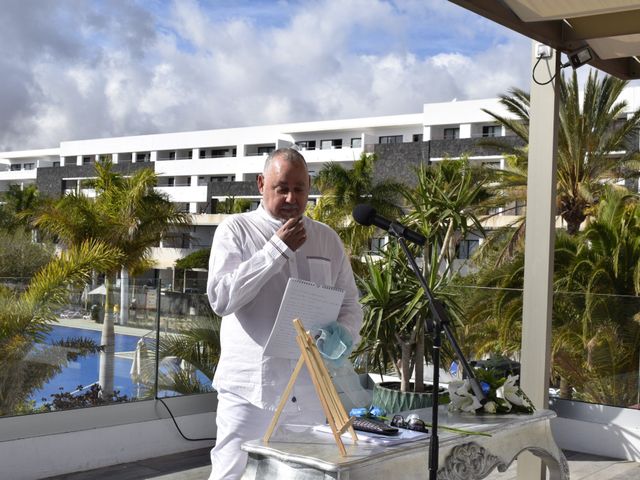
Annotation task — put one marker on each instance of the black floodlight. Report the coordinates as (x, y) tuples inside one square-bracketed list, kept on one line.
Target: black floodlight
[(580, 57)]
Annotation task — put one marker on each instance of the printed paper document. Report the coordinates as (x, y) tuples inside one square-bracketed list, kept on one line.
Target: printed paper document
[(315, 305)]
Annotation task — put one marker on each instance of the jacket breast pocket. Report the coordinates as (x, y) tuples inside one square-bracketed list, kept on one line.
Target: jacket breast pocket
[(320, 270)]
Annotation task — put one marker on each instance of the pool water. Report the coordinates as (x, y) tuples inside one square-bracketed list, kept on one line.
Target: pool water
[(85, 370)]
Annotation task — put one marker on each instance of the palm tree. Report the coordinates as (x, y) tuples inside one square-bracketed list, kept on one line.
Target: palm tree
[(445, 206), (25, 364), (342, 189), (15, 204), (197, 346), (508, 190), (604, 268), (128, 214), (394, 305), (493, 308), (20, 257), (595, 320), (591, 137)]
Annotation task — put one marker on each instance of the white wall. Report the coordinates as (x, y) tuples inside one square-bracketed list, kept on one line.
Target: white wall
[(319, 157), (47, 444), (209, 166), (49, 455), (185, 194), (597, 429), (470, 111), (19, 175)]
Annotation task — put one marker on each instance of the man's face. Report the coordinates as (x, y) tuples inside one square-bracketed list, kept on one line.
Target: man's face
[(284, 188)]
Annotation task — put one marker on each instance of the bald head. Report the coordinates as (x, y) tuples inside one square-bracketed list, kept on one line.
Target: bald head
[(289, 155)]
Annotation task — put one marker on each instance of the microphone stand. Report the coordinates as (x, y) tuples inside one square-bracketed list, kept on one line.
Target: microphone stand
[(440, 324)]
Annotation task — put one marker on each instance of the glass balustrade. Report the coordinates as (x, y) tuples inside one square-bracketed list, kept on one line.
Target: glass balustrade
[(100, 348)]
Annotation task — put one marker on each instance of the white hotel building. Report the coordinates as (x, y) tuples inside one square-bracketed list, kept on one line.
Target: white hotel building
[(197, 169)]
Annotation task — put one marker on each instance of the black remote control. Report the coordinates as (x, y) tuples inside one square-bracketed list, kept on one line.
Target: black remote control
[(373, 426)]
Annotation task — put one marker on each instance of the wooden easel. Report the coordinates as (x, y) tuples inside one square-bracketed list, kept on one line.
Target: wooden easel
[(326, 390)]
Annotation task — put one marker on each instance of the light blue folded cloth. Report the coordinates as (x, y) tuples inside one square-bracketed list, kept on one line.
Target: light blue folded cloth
[(334, 342)]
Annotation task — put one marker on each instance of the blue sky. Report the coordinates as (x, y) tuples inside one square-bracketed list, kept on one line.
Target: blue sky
[(77, 69)]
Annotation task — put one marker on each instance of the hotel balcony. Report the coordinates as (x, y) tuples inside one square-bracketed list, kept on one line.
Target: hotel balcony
[(15, 176)]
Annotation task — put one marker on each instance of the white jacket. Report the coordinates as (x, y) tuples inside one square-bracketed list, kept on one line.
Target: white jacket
[(248, 271)]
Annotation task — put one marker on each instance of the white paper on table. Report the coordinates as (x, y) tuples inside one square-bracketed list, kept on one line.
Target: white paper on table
[(315, 305), (403, 436)]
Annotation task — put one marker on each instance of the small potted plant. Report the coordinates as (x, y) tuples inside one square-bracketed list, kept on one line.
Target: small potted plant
[(443, 206), (393, 332)]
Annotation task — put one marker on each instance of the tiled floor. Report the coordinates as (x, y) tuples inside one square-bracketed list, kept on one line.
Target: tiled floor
[(195, 465)]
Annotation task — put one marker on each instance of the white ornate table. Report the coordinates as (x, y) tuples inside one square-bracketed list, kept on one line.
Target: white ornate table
[(299, 453)]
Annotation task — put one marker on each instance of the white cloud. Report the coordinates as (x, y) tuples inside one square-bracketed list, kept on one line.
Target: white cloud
[(93, 69)]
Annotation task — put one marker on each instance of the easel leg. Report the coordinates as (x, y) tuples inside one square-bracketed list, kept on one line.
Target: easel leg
[(319, 386), (326, 390), (283, 400), (341, 418)]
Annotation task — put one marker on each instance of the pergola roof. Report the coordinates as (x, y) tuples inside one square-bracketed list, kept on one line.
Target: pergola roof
[(610, 28)]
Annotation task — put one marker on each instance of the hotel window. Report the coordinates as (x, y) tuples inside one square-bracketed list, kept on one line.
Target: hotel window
[(87, 160), (377, 244), (178, 240), (356, 142), (306, 144), (417, 137), (390, 139), (265, 150), (451, 133), (56, 164), (203, 153), (329, 144), (172, 155), (491, 131), (171, 182), (219, 152), (16, 166), (29, 166), (143, 157), (466, 248), (190, 154)]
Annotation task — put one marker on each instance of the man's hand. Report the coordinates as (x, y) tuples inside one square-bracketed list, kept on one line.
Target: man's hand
[(293, 233)]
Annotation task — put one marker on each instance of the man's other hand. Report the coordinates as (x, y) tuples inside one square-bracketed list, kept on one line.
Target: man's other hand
[(293, 233)]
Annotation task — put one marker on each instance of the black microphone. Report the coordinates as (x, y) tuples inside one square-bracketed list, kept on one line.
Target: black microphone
[(366, 215)]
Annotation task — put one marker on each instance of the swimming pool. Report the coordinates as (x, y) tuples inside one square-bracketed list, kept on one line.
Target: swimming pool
[(86, 369)]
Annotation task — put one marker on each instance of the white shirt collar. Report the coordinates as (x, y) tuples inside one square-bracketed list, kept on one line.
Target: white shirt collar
[(267, 216)]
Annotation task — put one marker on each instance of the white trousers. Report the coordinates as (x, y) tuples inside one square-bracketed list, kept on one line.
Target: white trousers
[(238, 421)]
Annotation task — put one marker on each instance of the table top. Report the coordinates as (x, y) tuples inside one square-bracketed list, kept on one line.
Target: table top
[(302, 445)]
